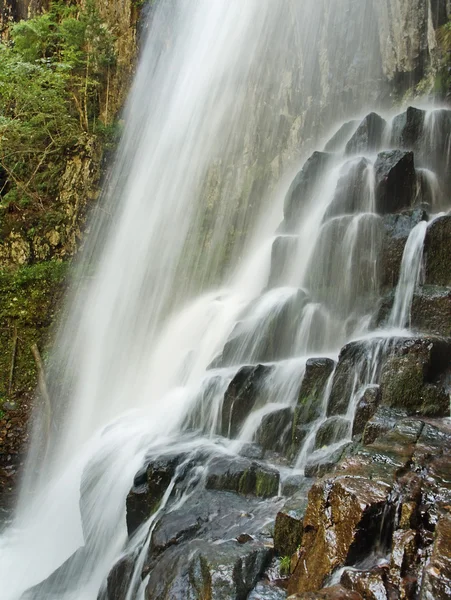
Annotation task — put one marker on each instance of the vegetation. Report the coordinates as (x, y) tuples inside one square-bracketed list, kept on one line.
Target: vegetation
[(285, 565), (55, 73)]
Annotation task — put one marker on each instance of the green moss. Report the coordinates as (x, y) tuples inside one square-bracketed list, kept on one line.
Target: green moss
[(29, 300), (285, 565), (266, 484)]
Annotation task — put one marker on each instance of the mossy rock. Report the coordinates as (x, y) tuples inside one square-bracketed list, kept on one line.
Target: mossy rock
[(437, 252)]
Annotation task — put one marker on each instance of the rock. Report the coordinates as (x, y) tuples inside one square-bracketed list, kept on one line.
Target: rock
[(412, 375), (316, 376), (274, 432), (343, 518), (303, 187), (283, 252), (381, 423), (435, 154), (350, 194), (366, 409), (431, 311), (395, 181), (119, 579), (331, 431), (437, 573), (352, 362), (437, 252), (242, 476), (288, 531), (397, 228), (325, 465), (335, 592), (404, 561), (407, 129), (148, 489), (369, 584), (338, 141), (240, 398), (368, 135)]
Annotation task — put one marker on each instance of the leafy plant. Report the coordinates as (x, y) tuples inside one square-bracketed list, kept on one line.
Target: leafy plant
[(285, 565)]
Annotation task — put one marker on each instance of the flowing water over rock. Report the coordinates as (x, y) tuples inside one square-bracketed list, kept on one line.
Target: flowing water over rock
[(237, 340)]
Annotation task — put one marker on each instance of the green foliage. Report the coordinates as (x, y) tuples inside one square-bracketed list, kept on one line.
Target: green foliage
[(285, 565), (54, 87)]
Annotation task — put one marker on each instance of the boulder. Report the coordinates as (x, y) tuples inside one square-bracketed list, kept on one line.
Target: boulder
[(283, 253), (303, 187), (232, 474), (313, 387), (437, 573), (383, 421), (332, 431), (431, 311), (288, 531), (343, 517), (437, 252), (339, 140), (241, 396), (349, 197), (371, 585), (408, 128), (148, 489), (395, 181), (274, 432), (368, 135), (365, 409), (397, 228), (319, 467), (413, 374)]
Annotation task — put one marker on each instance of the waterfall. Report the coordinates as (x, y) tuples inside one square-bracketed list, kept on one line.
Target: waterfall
[(211, 272)]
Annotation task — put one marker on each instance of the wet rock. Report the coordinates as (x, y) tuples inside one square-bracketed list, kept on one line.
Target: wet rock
[(437, 574), (431, 311), (350, 190), (240, 398), (395, 177), (368, 135), (335, 592), (338, 141), (397, 228), (317, 373), (119, 579), (412, 376), (352, 361), (288, 531), (369, 584), (303, 186), (283, 252), (275, 429), (291, 484), (252, 451), (366, 409), (435, 155), (407, 129), (148, 490), (242, 476), (342, 520), (404, 561), (437, 252), (382, 422), (331, 431), (325, 465)]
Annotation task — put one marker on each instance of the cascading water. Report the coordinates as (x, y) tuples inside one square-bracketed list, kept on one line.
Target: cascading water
[(193, 335)]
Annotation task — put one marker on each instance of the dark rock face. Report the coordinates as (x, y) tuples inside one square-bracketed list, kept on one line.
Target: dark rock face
[(431, 311), (274, 432), (240, 398), (317, 373), (437, 252), (338, 141), (242, 476), (397, 228), (366, 409), (304, 185), (283, 252), (407, 129), (380, 497), (412, 376), (335, 592), (350, 190), (368, 136), (148, 490), (288, 531), (395, 181), (331, 431)]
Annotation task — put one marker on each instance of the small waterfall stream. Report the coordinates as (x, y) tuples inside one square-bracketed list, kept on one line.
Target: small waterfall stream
[(205, 316)]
